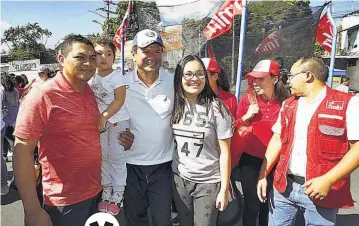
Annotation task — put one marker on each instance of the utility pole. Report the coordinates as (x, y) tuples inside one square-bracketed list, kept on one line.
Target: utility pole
[(108, 17)]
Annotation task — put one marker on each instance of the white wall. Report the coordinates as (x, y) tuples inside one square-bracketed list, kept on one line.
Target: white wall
[(353, 74), (347, 22)]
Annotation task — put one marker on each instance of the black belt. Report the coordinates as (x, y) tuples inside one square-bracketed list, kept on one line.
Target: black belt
[(297, 179)]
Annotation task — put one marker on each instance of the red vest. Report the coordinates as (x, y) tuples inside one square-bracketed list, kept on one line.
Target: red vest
[(326, 145)]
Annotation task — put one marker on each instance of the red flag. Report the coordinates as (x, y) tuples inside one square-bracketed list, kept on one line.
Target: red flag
[(121, 31), (325, 33), (223, 19), (269, 45)]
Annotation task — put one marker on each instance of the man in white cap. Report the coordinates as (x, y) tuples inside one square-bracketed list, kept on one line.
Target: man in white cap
[(44, 73), (149, 102)]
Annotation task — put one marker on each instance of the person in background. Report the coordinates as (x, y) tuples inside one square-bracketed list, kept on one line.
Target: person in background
[(62, 116), (10, 103), (44, 73), (20, 85), (284, 71), (220, 85), (344, 87), (202, 127), (4, 172), (26, 81), (260, 115), (315, 146), (109, 87)]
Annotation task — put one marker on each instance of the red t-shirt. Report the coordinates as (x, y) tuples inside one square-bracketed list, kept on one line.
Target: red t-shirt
[(64, 123), (21, 92), (230, 100), (256, 144)]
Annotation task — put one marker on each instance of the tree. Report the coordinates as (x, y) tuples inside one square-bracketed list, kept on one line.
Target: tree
[(28, 42), (150, 17), (266, 16)]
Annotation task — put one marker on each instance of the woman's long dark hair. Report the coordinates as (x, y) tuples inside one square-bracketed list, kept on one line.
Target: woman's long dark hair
[(280, 91), (222, 81), (206, 97), (7, 82)]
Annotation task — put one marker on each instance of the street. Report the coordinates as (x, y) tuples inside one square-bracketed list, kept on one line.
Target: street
[(12, 211)]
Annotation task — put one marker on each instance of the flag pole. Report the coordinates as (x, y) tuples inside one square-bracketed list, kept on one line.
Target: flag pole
[(334, 45), (206, 49), (241, 48), (123, 50)]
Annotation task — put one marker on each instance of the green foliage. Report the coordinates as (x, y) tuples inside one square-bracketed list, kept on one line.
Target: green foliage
[(319, 50), (26, 42), (262, 13)]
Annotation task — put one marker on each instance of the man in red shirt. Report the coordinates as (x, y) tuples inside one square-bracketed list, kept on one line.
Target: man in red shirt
[(61, 116)]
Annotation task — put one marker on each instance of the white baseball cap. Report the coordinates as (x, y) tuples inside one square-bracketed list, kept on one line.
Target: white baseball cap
[(145, 38), (264, 68)]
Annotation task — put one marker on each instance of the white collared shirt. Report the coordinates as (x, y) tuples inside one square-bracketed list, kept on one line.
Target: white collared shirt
[(305, 112), (150, 110)]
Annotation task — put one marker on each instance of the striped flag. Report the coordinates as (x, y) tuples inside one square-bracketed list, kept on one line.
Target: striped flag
[(325, 33), (120, 35), (223, 19), (269, 45)]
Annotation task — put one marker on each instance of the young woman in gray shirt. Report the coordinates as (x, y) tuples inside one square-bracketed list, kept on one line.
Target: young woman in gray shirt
[(202, 129)]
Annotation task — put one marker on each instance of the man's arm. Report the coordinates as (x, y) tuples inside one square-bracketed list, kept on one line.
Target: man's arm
[(270, 159), (347, 165), (24, 172), (271, 156), (318, 188)]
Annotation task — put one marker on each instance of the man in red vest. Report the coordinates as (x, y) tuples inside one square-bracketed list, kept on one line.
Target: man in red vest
[(315, 146)]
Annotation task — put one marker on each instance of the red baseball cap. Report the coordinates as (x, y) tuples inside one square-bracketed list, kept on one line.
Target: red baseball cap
[(211, 65), (264, 68)]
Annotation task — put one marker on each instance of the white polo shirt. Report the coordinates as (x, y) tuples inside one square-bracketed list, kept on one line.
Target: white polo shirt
[(305, 112), (150, 110)]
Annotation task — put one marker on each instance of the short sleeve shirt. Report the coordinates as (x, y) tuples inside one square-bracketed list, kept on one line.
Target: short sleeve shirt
[(65, 124), (343, 88), (104, 90), (230, 100), (150, 110), (196, 135)]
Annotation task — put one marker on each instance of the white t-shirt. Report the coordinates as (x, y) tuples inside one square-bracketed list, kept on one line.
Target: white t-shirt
[(104, 90), (196, 137), (150, 110), (305, 111), (343, 88)]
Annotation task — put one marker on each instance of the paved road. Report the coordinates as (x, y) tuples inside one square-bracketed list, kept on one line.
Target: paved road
[(12, 212)]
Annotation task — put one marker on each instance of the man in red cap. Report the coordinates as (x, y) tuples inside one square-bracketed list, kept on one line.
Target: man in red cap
[(315, 147)]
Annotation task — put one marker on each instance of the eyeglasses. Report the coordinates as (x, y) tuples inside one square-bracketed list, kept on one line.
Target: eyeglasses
[(291, 76), (189, 75)]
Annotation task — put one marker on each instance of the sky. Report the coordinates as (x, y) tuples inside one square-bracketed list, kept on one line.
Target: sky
[(64, 17)]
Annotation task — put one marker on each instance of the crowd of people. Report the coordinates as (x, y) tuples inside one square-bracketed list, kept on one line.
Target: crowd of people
[(155, 142)]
